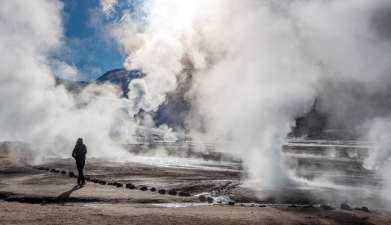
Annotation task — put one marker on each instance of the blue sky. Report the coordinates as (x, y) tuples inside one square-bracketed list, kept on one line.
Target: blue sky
[(89, 48)]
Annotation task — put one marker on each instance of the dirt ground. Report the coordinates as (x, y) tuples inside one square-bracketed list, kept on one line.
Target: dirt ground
[(31, 214), (33, 195)]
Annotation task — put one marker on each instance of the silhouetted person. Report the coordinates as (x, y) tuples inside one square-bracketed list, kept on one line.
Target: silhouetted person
[(79, 153)]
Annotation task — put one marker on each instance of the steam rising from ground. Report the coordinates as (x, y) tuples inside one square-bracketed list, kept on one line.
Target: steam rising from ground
[(380, 159), (34, 109), (254, 65)]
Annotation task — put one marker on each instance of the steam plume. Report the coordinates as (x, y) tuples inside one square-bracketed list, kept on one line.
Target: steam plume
[(34, 109), (256, 65)]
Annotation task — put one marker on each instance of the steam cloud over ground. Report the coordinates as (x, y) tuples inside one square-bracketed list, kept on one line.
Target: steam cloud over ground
[(256, 65), (252, 66)]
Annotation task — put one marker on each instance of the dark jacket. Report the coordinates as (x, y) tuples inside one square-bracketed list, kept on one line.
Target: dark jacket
[(79, 152)]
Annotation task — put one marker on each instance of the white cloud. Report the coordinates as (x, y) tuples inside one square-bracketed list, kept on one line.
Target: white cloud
[(108, 6), (64, 71)]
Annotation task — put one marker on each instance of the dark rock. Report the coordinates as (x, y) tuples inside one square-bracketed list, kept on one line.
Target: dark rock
[(262, 206), (162, 191), (184, 194), (172, 192), (144, 188), (72, 174), (118, 185), (152, 189), (345, 206), (209, 200), (52, 170), (63, 172), (326, 207), (130, 186), (364, 209), (202, 198), (102, 182)]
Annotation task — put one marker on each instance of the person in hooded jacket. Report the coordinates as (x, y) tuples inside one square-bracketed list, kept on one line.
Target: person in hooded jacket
[(79, 154)]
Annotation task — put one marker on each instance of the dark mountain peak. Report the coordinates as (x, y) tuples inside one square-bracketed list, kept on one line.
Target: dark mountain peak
[(117, 76), (71, 85), (172, 112), (121, 77)]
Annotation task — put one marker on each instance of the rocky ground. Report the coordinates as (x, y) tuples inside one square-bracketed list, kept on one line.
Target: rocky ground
[(31, 214), (148, 192)]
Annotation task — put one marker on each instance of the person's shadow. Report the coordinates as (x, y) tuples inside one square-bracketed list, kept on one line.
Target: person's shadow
[(66, 194)]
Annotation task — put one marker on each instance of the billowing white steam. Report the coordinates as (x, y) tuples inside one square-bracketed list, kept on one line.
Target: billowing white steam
[(380, 157), (237, 86), (33, 109), (256, 64)]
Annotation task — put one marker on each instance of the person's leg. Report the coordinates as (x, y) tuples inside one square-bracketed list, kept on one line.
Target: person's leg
[(80, 173)]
